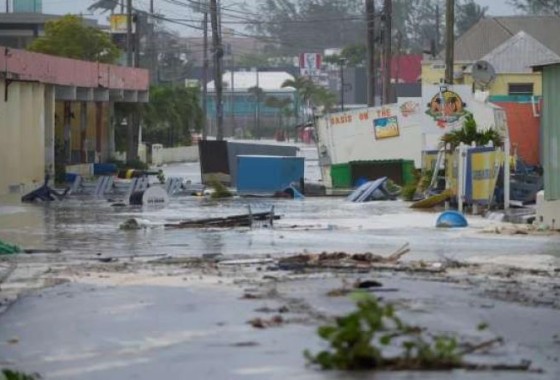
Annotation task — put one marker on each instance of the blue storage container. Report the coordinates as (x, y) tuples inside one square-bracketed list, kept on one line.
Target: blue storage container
[(268, 174), (104, 169)]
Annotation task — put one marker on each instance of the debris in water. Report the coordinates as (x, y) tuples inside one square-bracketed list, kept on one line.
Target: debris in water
[(340, 260), (243, 220), (260, 323)]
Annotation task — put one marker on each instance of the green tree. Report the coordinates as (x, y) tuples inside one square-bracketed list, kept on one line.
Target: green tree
[(468, 13), (354, 55), (311, 94), (537, 6), (172, 114), (69, 37), (297, 25)]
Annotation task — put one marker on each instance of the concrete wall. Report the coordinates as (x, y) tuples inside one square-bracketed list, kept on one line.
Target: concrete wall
[(180, 154), (22, 131), (548, 212), (168, 155)]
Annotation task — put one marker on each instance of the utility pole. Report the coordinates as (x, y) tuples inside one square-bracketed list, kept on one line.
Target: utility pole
[(388, 13), (129, 33), (205, 65), (399, 44), (449, 40), (232, 88), (218, 60), (7, 6), (153, 54), (438, 26), (370, 19), (341, 64)]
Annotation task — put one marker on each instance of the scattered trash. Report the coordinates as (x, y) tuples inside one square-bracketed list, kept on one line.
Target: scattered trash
[(245, 344), (451, 219), (367, 284), (13, 340), (280, 310), (136, 224), (260, 323)]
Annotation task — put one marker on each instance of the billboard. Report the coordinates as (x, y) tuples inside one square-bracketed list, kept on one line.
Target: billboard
[(119, 23), (28, 6), (310, 64)]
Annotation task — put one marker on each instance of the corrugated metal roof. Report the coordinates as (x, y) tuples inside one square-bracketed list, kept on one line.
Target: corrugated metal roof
[(519, 54), (267, 81), (489, 33)]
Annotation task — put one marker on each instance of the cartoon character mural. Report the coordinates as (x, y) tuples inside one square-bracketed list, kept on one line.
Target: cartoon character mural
[(446, 107)]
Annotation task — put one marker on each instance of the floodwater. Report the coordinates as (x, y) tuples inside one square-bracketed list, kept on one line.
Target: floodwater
[(82, 225)]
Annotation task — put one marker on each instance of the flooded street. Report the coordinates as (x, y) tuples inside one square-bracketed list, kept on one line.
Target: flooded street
[(82, 225), (137, 316)]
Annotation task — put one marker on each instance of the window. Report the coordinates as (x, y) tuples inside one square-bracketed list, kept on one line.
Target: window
[(520, 89)]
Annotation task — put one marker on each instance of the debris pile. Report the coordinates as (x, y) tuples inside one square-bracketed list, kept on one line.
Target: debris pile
[(340, 260)]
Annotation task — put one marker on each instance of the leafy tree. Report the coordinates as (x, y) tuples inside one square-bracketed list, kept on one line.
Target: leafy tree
[(311, 94), (172, 114), (297, 25), (468, 13), (537, 6), (69, 37), (354, 55)]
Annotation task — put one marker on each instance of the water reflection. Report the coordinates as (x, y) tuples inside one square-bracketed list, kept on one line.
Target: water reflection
[(87, 226)]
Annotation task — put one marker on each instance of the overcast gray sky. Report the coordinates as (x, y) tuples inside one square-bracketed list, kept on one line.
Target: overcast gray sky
[(495, 7)]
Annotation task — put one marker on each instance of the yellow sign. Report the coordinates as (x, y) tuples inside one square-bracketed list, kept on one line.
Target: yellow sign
[(485, 167), (119, 23)]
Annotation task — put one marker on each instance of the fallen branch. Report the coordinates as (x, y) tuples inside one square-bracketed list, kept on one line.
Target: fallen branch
[(41, 250)]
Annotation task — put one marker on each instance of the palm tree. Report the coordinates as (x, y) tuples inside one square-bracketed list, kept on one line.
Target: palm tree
[(324, 98), (282, 106)]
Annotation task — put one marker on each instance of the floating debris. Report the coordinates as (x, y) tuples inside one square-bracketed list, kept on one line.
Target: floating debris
[(243, 220), (340, 260)]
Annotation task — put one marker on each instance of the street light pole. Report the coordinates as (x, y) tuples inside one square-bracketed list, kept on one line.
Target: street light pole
[(205, 66), (218, 56)]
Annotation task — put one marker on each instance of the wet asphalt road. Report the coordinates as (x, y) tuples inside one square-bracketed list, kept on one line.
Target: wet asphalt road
[(78, 331)]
